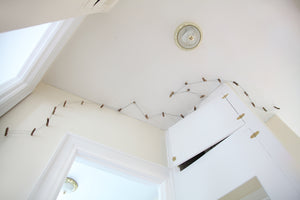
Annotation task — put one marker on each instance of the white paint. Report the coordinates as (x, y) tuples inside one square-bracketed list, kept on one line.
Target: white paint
[(95, 183), (15, 48), (130, 54), (50, 182), (250, 190), (231, 163), (236, 160), (286, 136), (259, 194), (25, 157), (19, 14), (214, 120), (32, 71)]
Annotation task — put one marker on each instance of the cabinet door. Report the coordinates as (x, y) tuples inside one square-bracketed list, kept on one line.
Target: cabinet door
[(230, 164), (213, 121)]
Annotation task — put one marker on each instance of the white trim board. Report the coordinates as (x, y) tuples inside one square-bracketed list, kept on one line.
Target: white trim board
[(71, 146), (57, 35)]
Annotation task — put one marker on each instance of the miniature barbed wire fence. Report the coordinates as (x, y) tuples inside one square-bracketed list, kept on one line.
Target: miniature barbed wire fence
[(189, 91), (184, 89)]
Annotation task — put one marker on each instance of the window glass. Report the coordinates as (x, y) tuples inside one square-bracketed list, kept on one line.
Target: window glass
[(16, 47)]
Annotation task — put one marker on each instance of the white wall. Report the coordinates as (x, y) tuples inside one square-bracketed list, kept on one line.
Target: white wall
[(286, 136), (23, 157)]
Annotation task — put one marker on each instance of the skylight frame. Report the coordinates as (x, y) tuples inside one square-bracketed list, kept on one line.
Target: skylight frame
[(26, 66), (51, 43)]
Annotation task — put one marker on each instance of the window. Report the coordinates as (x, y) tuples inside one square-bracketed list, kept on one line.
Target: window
[(16, 47), (98, 182)]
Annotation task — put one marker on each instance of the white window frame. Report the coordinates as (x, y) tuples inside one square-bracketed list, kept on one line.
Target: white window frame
[(33, 70), (49, 184)]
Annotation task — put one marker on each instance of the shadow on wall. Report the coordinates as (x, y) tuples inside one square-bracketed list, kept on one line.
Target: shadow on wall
[(297, 4)]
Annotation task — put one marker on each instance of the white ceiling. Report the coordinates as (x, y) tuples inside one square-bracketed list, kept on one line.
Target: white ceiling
[(15, 14), (129, 54), (96, 183)]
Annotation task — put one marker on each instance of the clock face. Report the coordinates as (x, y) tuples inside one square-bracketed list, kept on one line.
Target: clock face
[(187, 36)]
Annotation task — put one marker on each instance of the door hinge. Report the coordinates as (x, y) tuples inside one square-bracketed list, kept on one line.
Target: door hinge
[(241, 116), (225, 96), (254, 134)]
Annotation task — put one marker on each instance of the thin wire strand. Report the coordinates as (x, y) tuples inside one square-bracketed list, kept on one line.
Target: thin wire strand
[(139, 108), (180, 88), (173, 115), (127, 105), (155, 115), (201, 82)]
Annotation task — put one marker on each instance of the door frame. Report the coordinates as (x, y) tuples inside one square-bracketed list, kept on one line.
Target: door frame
[(72, 146)]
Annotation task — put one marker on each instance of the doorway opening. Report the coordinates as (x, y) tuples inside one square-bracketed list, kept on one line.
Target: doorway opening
[(76, 153), (88, 180)]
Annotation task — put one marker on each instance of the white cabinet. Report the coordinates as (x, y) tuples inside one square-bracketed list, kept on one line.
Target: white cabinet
[(230, 164), (213, 121), (235, 160)]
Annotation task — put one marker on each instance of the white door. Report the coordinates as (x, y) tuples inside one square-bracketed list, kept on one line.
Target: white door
[(214, 120), (235, 160), (230, 164)]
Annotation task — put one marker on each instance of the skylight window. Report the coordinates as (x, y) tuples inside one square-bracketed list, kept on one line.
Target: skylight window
[(16, 47), (25, 56)]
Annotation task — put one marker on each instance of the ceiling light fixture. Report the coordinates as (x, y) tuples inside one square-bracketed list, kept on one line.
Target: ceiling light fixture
[(70, 185), (188, 36)]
